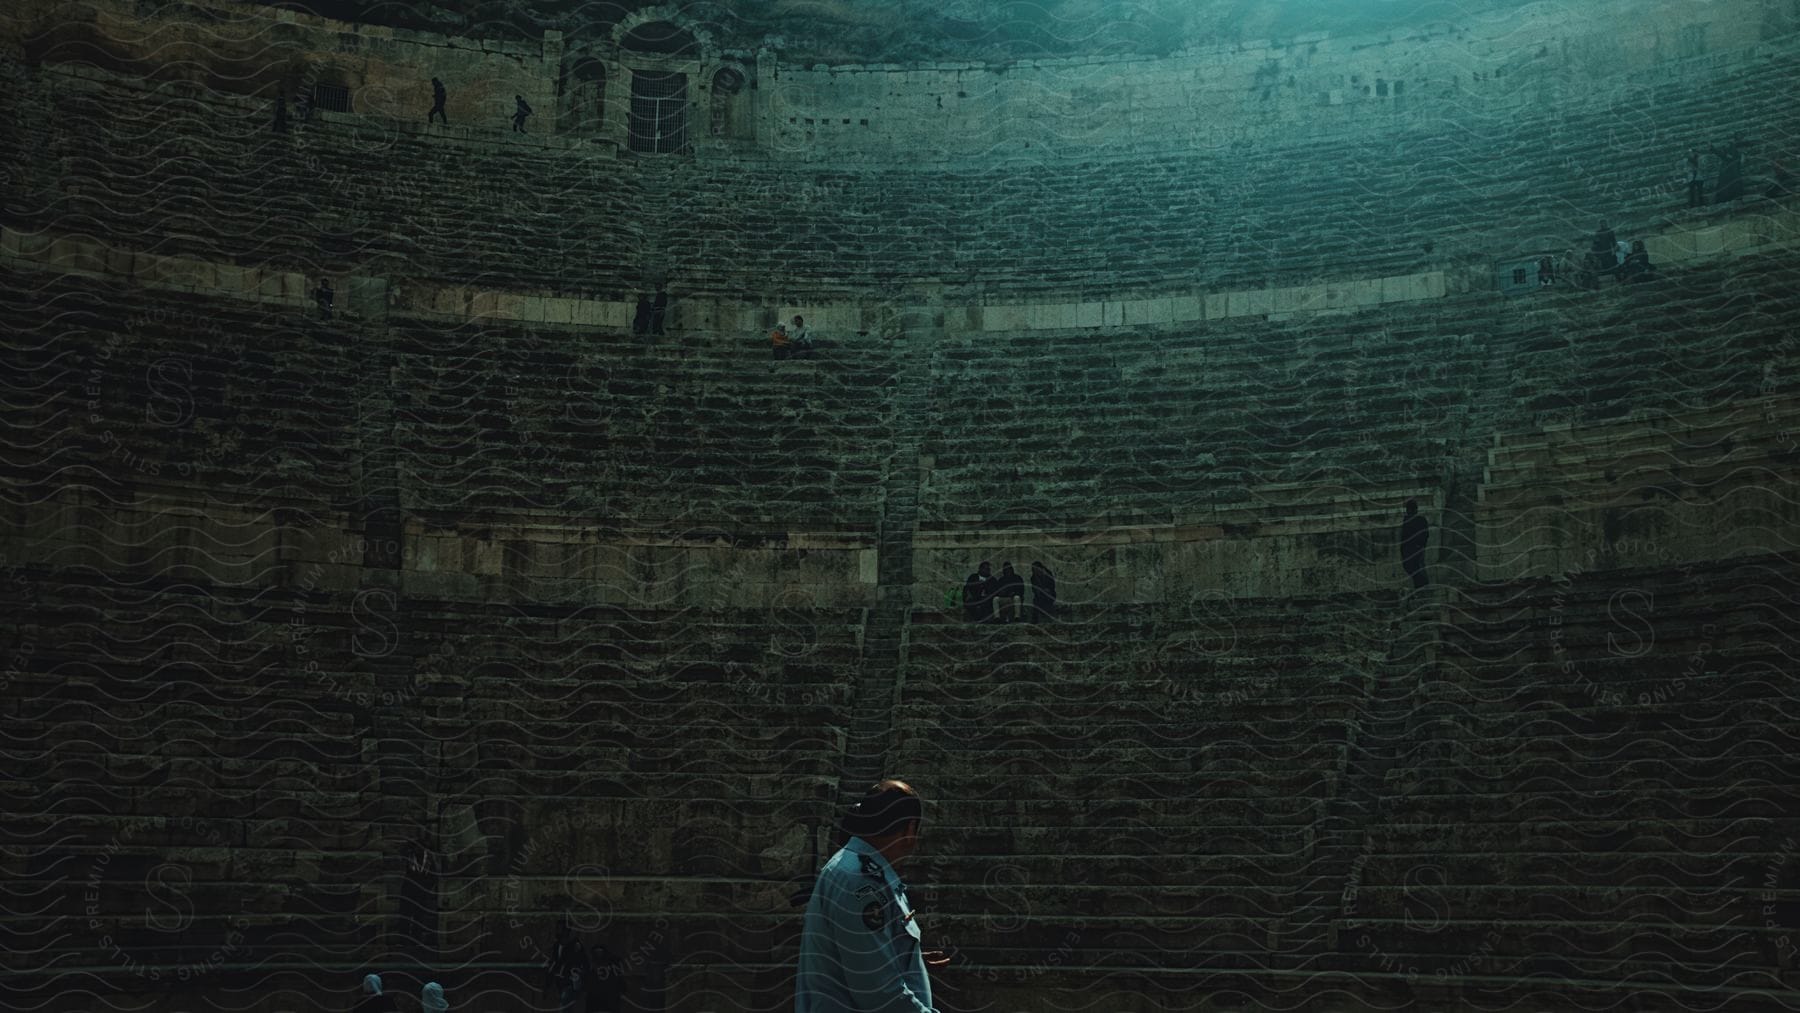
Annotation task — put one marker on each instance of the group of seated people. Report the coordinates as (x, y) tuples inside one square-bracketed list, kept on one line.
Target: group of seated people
[(990, 599), (791, 341), (1606, 254)]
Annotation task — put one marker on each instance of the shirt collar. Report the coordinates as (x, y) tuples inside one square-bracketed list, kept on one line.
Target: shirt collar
[(861, 847)]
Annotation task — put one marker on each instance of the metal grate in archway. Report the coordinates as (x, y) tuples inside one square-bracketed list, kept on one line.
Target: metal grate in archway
[(658, 121)]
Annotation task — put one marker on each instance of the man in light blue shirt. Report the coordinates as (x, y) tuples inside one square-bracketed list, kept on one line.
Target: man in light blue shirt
[(859, 946)]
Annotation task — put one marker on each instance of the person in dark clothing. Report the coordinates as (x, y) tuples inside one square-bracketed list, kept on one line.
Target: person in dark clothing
[(606, 981), (1546, 271), (640, 321), (1637, 264), (1696, 187), (323, 296), (1415, 534), (520, 111), (659, 309), (437, 103), (978, 594), (1730, 185), (1043, 593), (1604, 248), (374, 1000), (567, 969), (1011, 594), (280, 113)]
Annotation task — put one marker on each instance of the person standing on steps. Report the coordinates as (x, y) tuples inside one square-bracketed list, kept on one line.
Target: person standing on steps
[(520, 111), (323, 295), (659, 310), (1415, 535), (640, 320), (860, 940), (1043, 593)]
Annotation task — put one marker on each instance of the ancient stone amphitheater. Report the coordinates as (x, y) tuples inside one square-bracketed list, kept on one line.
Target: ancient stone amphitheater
[(389, 641)]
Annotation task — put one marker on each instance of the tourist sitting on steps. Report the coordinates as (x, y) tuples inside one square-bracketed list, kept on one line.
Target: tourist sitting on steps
[(782, 340), (1009, 595), (1637, 264), (800, 334), (978, 594)]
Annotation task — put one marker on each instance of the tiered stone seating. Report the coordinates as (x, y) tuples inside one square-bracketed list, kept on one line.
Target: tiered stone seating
[(186, 794), (244, 782), (169, 169), (1596, 786), (663, 769), (211, 179), (1699, 336), (620, 431), (129, 387), (1247, 420), (1136, 789)]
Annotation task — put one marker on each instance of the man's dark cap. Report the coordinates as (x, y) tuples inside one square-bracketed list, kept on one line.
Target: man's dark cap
[(885, 809)]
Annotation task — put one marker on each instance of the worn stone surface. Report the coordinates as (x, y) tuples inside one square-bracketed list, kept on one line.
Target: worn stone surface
[(393, 640)]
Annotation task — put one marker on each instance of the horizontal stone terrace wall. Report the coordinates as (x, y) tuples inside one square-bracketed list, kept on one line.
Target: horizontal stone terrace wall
[(1538, 55), (1281, 538), (840, 314), (1532, 58), (511, 212), (438, 234)]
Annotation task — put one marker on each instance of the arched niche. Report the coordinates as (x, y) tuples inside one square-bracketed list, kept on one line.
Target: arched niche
[(659, 76), (581, 95), (731, 117)]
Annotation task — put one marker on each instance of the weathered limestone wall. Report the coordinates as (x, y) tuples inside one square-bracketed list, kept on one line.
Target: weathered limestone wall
[(1539, 56), (547, 561), (255, 50), (1777, 228), (1542, 56)]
